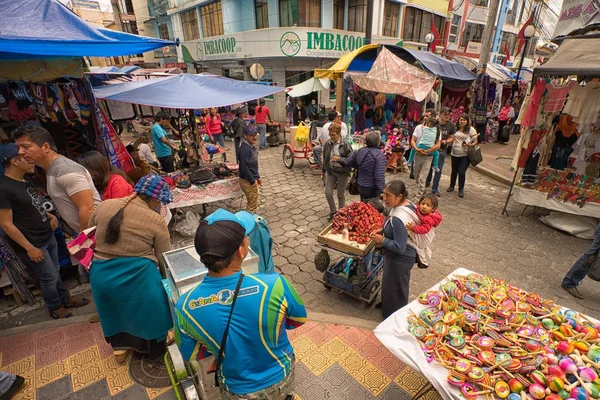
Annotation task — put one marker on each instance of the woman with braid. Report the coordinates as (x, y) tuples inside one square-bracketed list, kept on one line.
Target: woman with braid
[(131, 237)]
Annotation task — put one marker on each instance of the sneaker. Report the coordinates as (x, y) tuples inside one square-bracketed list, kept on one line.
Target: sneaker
[(461, 193), (436, 193), (14, 388), (573, 291), (330, 216), (450, 189)]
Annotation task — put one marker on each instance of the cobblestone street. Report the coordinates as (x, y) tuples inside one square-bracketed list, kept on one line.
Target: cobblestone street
[(473, 235)]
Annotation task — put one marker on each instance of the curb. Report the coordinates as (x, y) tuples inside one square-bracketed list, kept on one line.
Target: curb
[(494, 175), (313, 316)]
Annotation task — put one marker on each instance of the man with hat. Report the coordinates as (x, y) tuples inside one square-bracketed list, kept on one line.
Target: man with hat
[(30, 229), (238, 318), (248, 168)]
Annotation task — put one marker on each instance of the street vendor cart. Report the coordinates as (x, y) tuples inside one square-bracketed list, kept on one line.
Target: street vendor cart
[(356, 273), (303, 139)]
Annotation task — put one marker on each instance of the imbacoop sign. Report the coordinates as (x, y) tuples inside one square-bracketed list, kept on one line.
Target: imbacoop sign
[(277, 42)]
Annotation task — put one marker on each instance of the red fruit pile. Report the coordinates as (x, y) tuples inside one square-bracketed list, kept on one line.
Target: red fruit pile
[(361, 219)]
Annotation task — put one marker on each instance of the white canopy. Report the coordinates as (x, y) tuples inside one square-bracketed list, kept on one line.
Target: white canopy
[(308, 86)]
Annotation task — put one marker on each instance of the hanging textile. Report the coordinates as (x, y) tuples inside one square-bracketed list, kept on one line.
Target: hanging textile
[(109, 143), (557, 95), (480, 98), (531, 112)]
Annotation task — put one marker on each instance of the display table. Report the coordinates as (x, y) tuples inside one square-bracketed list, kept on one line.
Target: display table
[(204, 194), (394, 335), (534, 198)]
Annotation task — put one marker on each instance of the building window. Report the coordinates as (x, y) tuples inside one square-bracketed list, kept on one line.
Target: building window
[(357, 15), (261, 8), (511, 17), (472, 33), (338, 13), (480, 3), (212, 19), (509, 40), (163, 32), (391, 13), (189, 22), (454, 28), (300, 13), (417, 24)]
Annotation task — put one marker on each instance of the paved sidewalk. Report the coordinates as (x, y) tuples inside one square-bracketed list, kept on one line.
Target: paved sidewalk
[(333, 362), (497, 159)]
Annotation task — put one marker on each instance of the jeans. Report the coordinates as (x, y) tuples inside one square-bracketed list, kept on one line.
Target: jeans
[(317, 153), (53, 290), (582, 266), (459, 169), (166, 163), (367, 193), (262, 131), (435, 186), (342, 181), (421, 166), (219, 137)]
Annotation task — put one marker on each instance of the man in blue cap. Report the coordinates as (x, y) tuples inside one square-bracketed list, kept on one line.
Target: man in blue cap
[(252, 313), (30, 229)]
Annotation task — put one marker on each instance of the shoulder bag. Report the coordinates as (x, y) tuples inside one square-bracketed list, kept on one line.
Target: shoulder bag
[(353, 182), (217, 363), (475, 156)]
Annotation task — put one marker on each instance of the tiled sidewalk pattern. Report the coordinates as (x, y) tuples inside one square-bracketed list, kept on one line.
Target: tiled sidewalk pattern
[(333, 362)]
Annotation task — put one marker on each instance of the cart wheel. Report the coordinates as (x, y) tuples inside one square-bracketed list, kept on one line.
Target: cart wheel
[(288, 157), (372, 293)]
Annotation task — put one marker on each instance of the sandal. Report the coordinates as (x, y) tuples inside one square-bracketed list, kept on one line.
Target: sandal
[(77, 302), (60, 313), (170, 338)]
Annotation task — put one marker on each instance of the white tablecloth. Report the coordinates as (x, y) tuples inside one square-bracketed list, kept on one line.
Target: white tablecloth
[(393, 333), (214, 191), (534, 198)]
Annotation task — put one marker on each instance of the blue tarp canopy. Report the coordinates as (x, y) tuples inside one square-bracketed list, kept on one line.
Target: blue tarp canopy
[(47, 28), (445, 69), (186, 91)]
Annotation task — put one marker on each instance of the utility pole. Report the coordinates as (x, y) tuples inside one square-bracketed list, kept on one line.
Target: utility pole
[(488, 33), (369, 24)]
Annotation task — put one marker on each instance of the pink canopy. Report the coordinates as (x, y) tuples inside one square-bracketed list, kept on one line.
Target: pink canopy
[(390, 74)]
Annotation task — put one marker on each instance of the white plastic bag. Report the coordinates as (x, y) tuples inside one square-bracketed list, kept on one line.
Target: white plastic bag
[(188, 226)]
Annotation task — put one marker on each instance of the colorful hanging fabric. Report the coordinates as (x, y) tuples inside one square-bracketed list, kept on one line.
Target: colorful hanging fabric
[(481, 87)]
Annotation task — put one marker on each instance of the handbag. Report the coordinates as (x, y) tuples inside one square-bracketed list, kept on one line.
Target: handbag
[(302, 132), (216, 365), (353, 183), (594, 271), (475, 156), (82, 247)]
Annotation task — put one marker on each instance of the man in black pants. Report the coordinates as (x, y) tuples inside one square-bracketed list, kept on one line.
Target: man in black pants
[(238, 126), (447, 130)]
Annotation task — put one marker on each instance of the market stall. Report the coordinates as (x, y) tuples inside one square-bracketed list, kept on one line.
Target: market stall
[(557, 156), (472, 336), (42, 83), (388, 87), (185, 91)]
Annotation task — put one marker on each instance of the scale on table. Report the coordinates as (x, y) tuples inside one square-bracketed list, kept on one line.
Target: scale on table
[(185, 270)]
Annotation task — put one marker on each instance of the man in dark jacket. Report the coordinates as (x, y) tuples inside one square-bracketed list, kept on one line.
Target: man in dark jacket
[(248, 168), (237, 127), (299, 113), (335, 156)]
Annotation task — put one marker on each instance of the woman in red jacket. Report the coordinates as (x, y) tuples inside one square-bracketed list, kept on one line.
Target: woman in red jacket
[(214, 127), (110, 182)]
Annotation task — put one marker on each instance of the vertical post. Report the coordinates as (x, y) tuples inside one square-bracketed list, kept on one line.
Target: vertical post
[(369, 24), (515, 87), (488, 33)]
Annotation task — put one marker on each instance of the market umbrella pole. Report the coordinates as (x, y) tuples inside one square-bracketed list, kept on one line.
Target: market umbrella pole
[(512, 185)]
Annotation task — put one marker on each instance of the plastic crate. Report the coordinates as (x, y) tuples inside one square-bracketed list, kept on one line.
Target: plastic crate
[(333, 279)]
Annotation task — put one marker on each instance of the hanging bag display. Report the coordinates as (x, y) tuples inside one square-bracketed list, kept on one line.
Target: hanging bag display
[(302, 132), (475, 156)]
